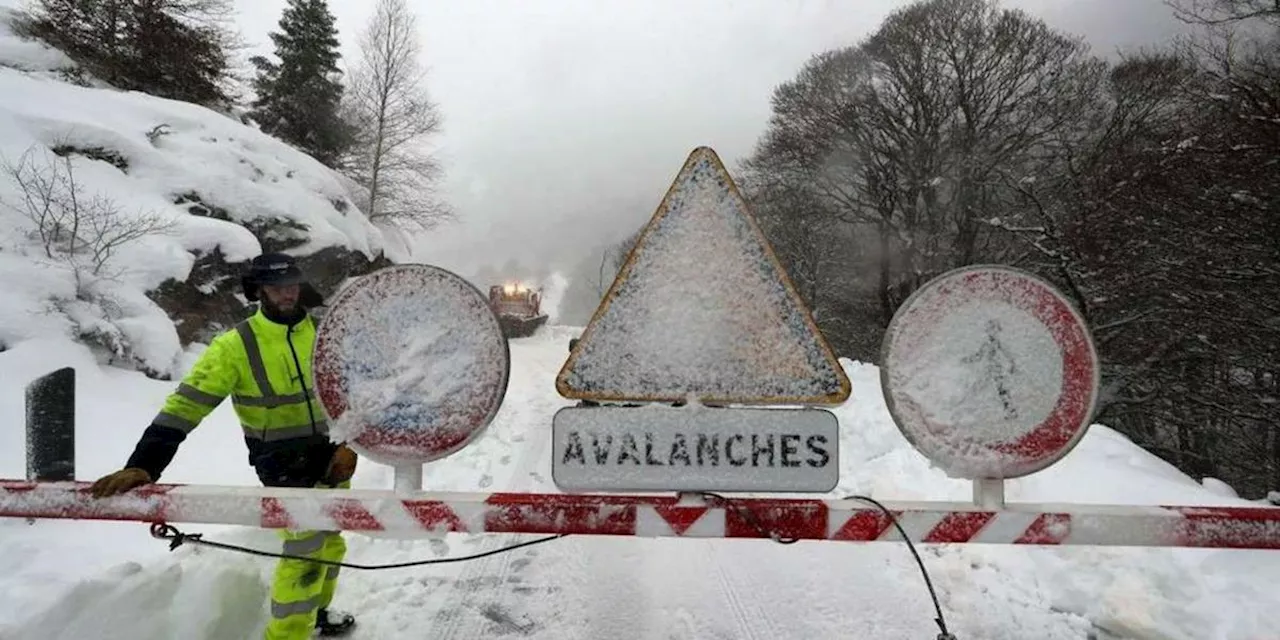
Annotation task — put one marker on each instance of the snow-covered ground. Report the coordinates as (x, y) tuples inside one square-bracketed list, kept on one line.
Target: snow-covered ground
[(64, 579), (102, 580)]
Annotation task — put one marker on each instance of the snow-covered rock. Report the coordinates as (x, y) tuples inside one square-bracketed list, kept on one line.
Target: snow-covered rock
[(214, 191)]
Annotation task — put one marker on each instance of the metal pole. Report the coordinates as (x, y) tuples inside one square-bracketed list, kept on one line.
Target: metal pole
[(408, 478), (395, 515), (988, 493)]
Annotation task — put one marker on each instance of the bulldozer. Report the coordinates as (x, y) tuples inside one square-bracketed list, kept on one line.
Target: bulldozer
[(518, 308)]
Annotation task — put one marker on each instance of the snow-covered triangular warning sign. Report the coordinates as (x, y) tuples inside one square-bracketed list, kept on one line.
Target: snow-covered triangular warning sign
[(702, 308)]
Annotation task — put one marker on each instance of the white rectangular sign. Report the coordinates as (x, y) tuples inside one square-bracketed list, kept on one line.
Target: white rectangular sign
[(692, 448)]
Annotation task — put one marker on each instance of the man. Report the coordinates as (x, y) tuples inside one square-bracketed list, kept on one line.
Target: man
[(264, 364)]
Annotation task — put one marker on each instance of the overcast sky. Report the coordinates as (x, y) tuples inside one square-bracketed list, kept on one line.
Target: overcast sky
[(565, 120)]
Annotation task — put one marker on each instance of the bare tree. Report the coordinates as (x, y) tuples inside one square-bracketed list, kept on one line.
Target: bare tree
[(1189, 206), (388, 103), (1220, 12), (1148, 190), (82, 230), (914, 140)]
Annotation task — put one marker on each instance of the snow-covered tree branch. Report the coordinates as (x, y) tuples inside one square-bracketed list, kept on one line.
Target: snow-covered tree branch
[(80, 229)]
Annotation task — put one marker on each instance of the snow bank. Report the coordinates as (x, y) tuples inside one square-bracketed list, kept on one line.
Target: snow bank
[(144, 158), (27, 55), (51, 561)]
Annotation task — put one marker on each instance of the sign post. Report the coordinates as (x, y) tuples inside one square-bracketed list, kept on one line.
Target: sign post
[(700, 318), (991, 373), (411, 366)]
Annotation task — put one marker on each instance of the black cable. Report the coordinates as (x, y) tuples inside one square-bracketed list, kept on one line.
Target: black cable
[(750, 517), (942, 623), (177, 538)]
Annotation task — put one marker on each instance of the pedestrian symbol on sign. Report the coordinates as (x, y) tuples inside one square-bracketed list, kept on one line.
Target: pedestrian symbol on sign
[(989, 372), (999, 368)]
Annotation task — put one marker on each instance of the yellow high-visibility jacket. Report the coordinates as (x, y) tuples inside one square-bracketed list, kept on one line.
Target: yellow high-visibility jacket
[(265, 368)]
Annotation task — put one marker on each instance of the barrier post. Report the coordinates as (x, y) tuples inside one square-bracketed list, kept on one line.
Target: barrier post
[(988, 493), (51, 427)]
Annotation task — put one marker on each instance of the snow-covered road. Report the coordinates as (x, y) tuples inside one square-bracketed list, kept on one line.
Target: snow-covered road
[(63, 579)]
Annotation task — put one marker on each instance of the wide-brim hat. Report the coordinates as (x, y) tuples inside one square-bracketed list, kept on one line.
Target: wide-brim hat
[(271, 269)]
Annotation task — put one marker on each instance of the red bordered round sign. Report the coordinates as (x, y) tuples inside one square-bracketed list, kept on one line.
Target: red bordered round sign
[(410, 364), (990, 372)]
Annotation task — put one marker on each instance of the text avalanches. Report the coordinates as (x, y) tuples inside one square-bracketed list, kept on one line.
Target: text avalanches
[(696, 450)]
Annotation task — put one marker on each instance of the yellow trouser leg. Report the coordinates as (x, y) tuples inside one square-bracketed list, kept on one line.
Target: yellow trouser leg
[(301, 587), (335, 549), (295, 592)]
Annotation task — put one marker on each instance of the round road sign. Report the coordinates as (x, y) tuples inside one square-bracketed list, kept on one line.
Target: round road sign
[(410, 364), (990, 372)]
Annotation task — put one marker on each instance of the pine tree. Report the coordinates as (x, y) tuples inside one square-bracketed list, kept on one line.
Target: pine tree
[(298, 98), (176, 58), (178, 49)]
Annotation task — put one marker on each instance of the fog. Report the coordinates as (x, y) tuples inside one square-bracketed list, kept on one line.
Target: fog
[(566, 120)]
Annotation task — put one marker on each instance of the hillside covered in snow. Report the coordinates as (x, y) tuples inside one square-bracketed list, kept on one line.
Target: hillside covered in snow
[(123, 216)]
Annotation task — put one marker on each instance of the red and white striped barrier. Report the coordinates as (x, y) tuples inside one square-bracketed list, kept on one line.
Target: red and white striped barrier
[(424, 514)]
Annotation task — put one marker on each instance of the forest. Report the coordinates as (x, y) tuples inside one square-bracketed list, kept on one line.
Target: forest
[(1145, 188)]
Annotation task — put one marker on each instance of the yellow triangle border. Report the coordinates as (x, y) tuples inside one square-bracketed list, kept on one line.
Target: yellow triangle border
[(699, 154)]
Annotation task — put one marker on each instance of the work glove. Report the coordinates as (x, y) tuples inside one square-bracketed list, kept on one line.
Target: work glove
[(119, 482), (341, 466)]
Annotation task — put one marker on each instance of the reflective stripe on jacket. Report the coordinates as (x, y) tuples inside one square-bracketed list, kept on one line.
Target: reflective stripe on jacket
[(266, 369)]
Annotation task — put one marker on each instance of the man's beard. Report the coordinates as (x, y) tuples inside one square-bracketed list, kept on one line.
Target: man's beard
[(293, 314)]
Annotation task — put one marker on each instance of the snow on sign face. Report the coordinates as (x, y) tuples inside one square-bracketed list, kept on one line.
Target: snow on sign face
[(990, 372), (410, 364), (702, 307)]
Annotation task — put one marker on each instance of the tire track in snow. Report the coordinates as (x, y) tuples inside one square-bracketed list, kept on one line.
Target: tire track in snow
[(482, 594), (742, 617), (457, 599), (485, 579), (750, 620)]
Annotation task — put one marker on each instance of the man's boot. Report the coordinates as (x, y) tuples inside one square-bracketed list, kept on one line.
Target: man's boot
[(333, 623)]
